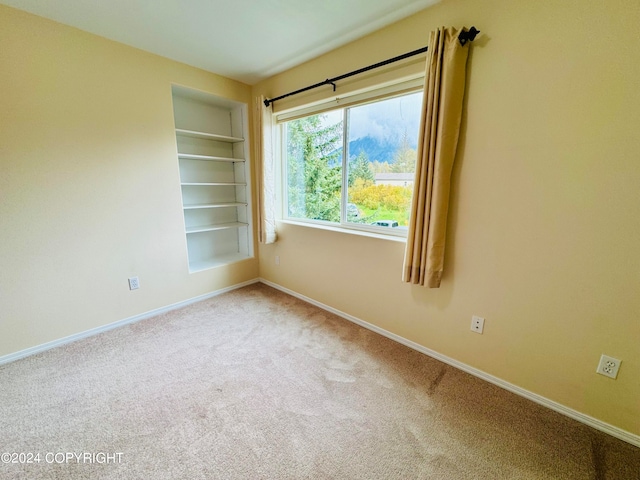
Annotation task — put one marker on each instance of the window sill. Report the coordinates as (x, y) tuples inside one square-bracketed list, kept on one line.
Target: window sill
[(347, 230)]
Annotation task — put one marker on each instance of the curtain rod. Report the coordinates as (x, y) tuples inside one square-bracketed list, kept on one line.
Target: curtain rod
[(464, 37)]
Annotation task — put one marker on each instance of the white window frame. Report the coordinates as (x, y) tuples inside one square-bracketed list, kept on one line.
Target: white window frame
[(376, 94)]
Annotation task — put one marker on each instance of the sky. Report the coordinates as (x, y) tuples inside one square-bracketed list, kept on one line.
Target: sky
[(388, 118), (383, 120)]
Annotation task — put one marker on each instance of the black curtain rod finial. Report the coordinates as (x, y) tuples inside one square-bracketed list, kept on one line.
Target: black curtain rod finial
[(468, 35), (267, 102)]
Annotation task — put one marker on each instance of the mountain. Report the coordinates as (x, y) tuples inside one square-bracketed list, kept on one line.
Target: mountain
[(374, 148)]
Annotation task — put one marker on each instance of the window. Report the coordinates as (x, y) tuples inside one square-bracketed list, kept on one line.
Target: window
[(353, 166)]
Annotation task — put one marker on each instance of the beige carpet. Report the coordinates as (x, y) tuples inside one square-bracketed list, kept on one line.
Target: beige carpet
[(255, 384)]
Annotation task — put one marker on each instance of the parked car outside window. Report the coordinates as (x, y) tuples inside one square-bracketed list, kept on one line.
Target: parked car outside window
[(385, 223)]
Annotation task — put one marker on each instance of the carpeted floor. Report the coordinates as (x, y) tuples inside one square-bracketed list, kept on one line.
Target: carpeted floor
[(255, 384)]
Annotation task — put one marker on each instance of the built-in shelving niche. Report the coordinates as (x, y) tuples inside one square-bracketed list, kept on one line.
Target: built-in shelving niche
[(211, 135)]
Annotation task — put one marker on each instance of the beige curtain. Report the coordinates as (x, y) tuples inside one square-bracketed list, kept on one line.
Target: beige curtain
[(265, 156), (438, 140)]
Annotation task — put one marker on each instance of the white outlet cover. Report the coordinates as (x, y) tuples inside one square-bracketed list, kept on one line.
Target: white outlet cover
[(608, 366), (134, 283), (477, 324)]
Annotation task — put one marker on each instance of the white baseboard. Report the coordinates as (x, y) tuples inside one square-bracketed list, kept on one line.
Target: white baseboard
[(616, 432), (136, 318)]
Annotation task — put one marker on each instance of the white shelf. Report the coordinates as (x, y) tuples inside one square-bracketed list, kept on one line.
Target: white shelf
[(218, 261), (211, 158), (209, 136), (213, 184), (211, 228), (214, 205)]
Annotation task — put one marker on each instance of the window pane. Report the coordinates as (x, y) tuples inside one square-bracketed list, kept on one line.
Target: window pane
[(382, 139), (314, 166)]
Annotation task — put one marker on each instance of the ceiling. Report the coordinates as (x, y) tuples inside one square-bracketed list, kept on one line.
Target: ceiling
[(247, 40)]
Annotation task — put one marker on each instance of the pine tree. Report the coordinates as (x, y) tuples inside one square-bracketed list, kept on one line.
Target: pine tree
[(404, 160), (314, 169), (360, 168)]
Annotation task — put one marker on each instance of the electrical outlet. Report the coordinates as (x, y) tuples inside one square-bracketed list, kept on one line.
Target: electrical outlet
[(608, 366), (134, 283), (477, 324), (277, 259)]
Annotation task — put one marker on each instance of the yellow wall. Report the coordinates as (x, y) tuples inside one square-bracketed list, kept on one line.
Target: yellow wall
[(544, 225), (89, 185)]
